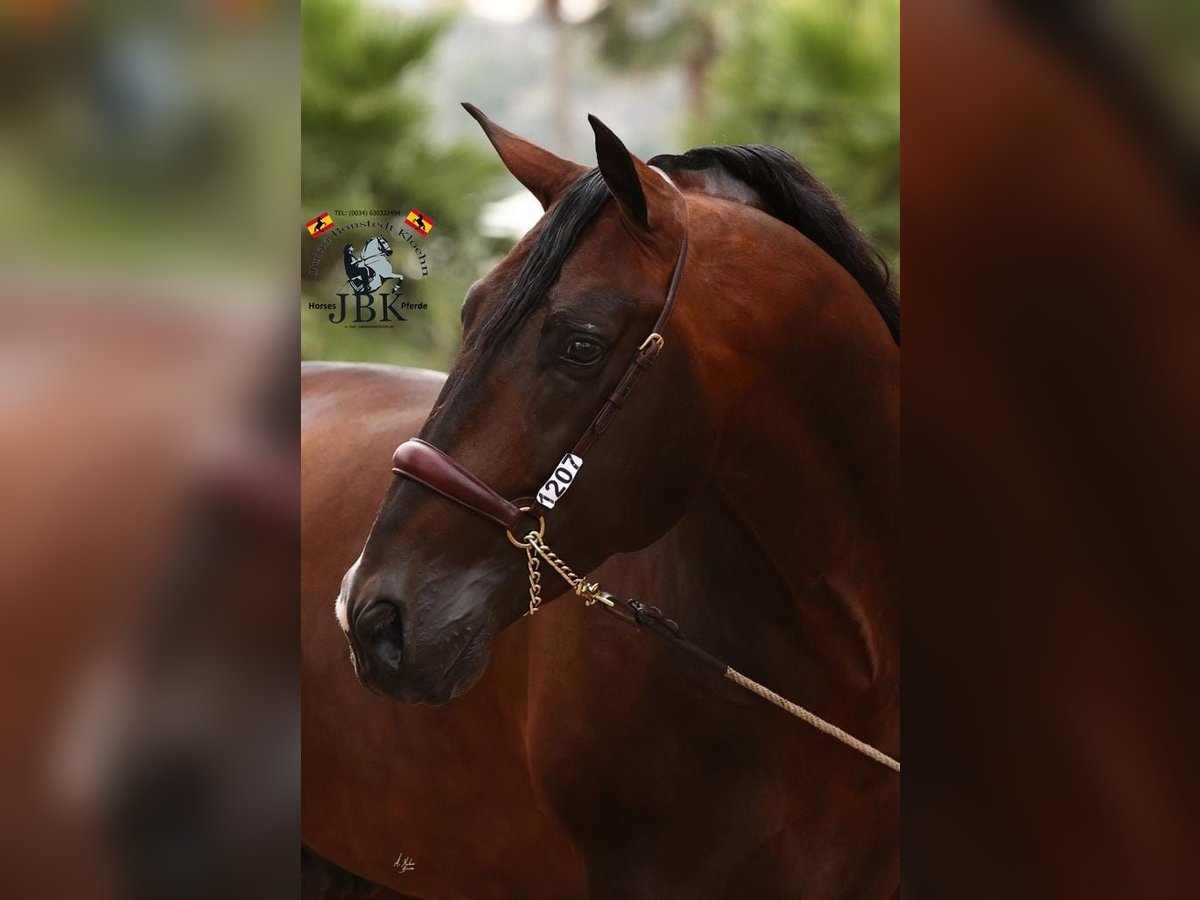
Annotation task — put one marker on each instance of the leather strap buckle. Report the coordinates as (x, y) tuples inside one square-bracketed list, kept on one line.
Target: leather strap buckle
[(653, 339)]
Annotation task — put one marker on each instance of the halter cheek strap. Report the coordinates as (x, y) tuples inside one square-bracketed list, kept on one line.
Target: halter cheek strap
[(643, 360), (431, 467)]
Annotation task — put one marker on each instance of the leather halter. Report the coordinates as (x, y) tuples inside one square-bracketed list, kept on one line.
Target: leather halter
[(431, 467)]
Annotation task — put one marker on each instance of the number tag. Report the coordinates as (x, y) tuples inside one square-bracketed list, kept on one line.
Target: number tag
[(560, 479)]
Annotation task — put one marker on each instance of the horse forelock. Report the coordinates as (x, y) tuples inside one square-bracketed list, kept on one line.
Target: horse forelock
[(559, 233)]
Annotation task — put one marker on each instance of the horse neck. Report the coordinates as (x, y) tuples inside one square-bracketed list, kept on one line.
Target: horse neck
[(806, 482)]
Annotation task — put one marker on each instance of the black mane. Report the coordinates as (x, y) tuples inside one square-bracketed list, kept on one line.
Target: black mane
[(790, 193)]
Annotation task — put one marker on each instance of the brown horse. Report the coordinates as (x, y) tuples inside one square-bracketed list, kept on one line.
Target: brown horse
[(753, 474)]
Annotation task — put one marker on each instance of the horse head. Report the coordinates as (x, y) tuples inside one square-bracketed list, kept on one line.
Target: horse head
[(546, 336), (775, 393)]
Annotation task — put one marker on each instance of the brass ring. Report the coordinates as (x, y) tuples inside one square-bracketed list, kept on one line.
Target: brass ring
[(525, 544)]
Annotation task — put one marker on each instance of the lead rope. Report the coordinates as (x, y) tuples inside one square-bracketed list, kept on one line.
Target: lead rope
[(591, 593)]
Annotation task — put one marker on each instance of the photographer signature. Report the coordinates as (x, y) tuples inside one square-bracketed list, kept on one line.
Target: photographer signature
[(404, 863)]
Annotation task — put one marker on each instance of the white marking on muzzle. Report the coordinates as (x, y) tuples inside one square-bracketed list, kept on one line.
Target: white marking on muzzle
[(341, 606)]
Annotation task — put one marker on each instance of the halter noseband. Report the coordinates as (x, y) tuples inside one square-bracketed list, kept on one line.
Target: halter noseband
[(431, 467)]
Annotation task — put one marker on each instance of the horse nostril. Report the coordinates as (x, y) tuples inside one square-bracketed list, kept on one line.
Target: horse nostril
[(380, 632)]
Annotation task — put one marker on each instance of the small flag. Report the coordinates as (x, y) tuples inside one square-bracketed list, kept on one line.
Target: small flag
[(419, 220), (320, 224)]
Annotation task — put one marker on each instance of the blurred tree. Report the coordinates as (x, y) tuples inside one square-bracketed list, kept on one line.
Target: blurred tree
[(367, 144), (365, 134), (820, 79), (641, 35), (561, 77)]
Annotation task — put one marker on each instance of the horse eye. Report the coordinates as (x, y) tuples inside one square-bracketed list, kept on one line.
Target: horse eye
[(583, 351)]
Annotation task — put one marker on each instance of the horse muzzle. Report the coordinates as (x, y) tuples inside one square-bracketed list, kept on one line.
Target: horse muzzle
[(391, 663)]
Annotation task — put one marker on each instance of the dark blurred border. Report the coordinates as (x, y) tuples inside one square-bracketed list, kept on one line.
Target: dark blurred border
[(1052, 402), (149, 698)]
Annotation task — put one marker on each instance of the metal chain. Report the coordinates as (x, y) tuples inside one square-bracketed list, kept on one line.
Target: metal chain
[(535, 580), (591, 593)]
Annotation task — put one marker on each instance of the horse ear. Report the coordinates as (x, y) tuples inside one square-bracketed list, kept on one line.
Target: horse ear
[(647, 200), (544, 174)]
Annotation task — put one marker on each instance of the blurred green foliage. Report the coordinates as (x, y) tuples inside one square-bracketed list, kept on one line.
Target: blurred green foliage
[(822, 81), (366, 144), (641, 35), (145, 145), (819, 78)]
